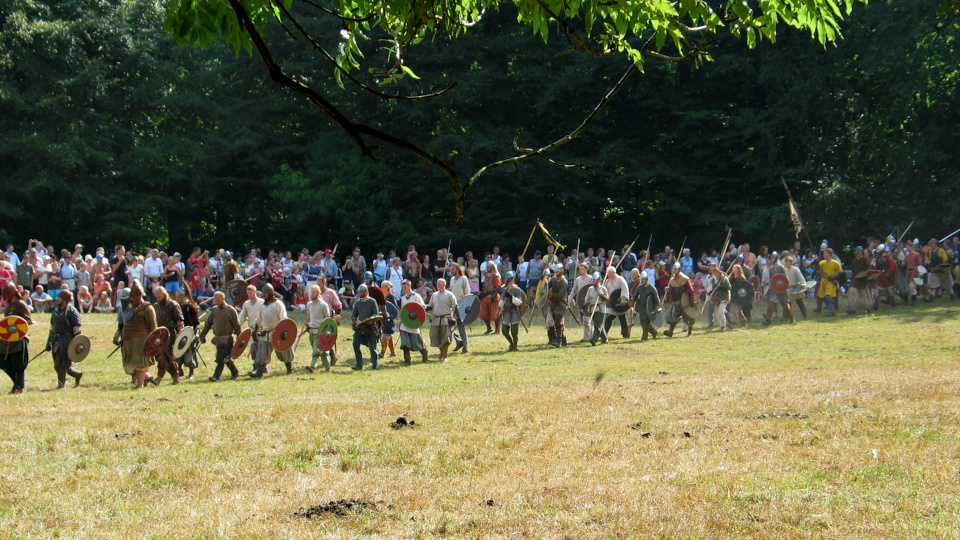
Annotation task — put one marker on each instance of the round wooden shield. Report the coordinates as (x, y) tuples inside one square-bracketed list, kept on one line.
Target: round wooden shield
[(413, 315), (691, 308), (779, 283), (469, 308), (327, 333), (284, 335), (742, 292), (241, 343), (79, 348), (183, 341), (377, 294), (523, 303), (798, 292), (938, 269), (13, 328), (582, 297), (873, 274), (618, 307), (755, 281), (540, 297), (156, 342), (236, 292)]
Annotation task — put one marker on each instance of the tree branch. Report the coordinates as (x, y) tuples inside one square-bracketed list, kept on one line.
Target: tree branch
[(541, 152), (571, 32), (354, 130), (337, 15), (316, 46)]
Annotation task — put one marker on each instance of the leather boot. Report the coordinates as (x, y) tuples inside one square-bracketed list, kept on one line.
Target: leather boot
[(552, 336), (423, 354), (406, 357), (234, 372), (77, 375), (217, 372), (289, 367)]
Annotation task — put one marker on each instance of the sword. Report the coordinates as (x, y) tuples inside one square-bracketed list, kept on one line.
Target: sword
[(38, 355), (114, 351), (196, 350)]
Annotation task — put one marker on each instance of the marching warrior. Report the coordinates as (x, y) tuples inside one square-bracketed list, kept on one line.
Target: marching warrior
[(13, 354), (336, 306), (775, 299), (170, 316), (596, 295), (861, 288), (389, 326), (444, 305), (720, 297), (272, 313), (224, 322), (491, 299), (64, 324), (795, 279), (139, 320), (828, 290), (888, 276), (410, 338), (583, 281), (511, 298), (615, 282), (317, 312), (460, 287), (190, 318), (555, 308), (364, 308), (678, 286), (644, 295), (250, 313)]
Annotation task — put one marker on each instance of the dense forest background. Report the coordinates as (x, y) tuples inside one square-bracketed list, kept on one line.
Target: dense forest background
[(111, 133)]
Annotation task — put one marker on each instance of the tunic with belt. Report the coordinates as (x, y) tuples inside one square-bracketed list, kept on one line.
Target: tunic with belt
[(14, 352), (64, 324), (142, 320)]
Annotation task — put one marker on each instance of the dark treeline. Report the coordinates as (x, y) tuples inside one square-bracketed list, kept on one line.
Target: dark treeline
[(111, 133)]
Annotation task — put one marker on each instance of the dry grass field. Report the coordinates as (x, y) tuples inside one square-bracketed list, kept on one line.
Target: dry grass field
[(842, 428)]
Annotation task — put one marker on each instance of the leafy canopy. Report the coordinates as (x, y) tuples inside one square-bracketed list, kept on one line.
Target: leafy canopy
[(630, 27)]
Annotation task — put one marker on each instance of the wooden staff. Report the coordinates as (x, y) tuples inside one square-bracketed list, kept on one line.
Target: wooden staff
[(530, 239), (622, 257), (905, 232)]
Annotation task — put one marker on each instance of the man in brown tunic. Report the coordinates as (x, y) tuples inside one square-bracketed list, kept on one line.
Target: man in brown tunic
[(13, 354), (224, 322), (169, 315), (139, 320)]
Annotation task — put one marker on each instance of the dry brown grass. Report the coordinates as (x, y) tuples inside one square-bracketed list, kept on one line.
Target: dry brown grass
[(846, 428)]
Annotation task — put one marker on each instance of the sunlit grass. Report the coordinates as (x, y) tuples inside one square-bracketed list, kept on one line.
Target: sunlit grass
[(833, 428)]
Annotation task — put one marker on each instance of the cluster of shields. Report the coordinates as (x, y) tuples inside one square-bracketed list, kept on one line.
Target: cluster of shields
[(14, 328)]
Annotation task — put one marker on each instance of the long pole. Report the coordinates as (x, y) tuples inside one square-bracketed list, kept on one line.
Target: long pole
[(627, 253), (905, 232), (790, 196), (945, 238), (524, 254)]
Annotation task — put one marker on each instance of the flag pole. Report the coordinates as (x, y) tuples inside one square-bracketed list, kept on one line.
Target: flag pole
[(794, 209), (523, 255)]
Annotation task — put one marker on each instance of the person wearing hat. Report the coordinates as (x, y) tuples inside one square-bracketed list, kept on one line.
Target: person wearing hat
[(511, 300), (13, 354), (884, 262), (169, 315), (230, 268), (271, 314), (138, 321), (646, 301), (64, 325), (828, 289), (364, 308), (678, 286)]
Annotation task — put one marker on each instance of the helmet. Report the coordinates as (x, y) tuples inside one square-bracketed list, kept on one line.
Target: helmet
[(227, 254), (509, 275), (596, 276), (547, 272), (368, 276), (676, 266), (124, 294), (361, 288)]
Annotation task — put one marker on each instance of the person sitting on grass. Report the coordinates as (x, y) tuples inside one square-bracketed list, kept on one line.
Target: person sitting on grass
[(85, 299), (104, 305), (41, 300)]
